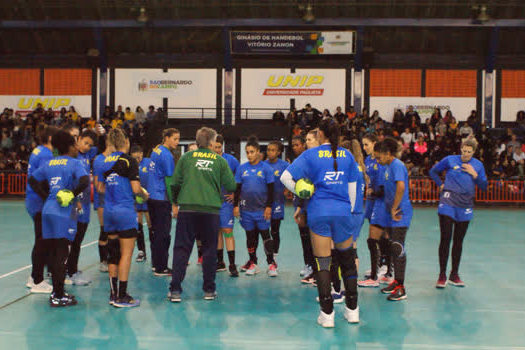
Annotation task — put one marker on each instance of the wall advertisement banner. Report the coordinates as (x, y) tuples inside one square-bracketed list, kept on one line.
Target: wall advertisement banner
[(292, 43), (510, 108), (274, 88), (25, 104), (190, 92), (460, 106)]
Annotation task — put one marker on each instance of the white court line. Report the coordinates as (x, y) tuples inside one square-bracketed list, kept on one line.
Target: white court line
[(28, 266)]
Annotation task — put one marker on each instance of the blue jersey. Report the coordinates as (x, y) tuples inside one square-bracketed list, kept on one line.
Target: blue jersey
[(39, 157), (360, 192), (85, 197), (394, 172), (143, 171), (60, 173), (460, 188), (375, 172), (331, 196), (278, 188), (254, 180), (98, 164), (233, 163), (119, 170), (162, 165)]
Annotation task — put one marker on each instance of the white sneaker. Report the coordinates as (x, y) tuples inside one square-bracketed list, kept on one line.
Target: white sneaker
[(272, 270), (306, 271), (352, 316), (79, 280), (103, 266), (68, 280), (252, 270), (326, 321), (30, 283), (382, 270), (42, 287)]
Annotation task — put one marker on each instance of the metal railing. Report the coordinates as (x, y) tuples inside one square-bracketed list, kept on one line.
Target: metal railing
[(211, 113)]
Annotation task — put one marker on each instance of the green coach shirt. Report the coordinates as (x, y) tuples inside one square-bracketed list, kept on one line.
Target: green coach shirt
[(198, 179)]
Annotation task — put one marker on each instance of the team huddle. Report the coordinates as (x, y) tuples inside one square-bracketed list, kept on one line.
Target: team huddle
[(334, 189)]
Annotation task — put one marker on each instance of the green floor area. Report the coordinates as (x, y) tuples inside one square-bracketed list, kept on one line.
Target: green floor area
[(279, 313)]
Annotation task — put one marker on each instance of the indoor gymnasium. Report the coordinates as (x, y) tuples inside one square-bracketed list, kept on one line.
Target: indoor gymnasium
[(262, 174)]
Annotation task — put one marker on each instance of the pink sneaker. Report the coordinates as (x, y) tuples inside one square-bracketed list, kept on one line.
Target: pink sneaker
[(385, 279), (442, 281), (368, 283), (272, 270), (456, 281)]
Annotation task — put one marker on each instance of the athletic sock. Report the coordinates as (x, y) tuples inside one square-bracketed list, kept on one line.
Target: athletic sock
[(103, 252), (122, 289), (199, 251), (220, 256), (113, 283), (231, 257)]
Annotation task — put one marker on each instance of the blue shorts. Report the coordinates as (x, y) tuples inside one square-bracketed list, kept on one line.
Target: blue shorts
[(369, 207), (278, 211), (86, 213), (120, 219), (380, 217), (98, 201), (34, 204), (339, 228), (58, 222), (457, 214), (226, 215), (141, 207), (251, 220), (358, 219)]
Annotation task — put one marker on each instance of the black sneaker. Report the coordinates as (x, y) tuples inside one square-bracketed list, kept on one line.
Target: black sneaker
[(391, 287), (221, 266), (112, 298), (66, 300), (126, 301), (210, 295), (399, 293), (141, 256), (233, 270), (246, 266), (165, 272), (174, 297)]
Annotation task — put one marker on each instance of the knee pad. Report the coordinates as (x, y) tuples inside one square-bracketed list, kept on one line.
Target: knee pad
[(347, 262), (227, 234), (323, 263), (397, 249), (103, 236), (113, 251)]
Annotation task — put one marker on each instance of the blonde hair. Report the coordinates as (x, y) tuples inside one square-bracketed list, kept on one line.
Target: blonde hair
[(117, 138), (470, 142)]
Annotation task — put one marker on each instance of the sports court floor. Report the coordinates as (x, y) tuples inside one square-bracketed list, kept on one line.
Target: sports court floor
[(263, 313)]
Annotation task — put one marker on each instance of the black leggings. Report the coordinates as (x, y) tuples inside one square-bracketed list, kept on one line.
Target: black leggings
[(451, 228), (39, 255), (74, 254), (276, 237), (58, 250), (306, 243)]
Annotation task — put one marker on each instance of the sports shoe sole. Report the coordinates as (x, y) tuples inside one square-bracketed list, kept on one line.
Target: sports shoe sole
[(397, 299), (368, 285), (441, 285), (122, 306), (222, 269), (161, 274), (461, 285)]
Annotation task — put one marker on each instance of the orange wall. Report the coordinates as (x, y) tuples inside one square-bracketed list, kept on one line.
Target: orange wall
[(19, 81), (513, 83), (395, 82), (450, 83), (67, 82)]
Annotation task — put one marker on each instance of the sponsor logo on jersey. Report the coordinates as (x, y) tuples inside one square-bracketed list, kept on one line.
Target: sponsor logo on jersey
[(54, 180), (259, 173), (54, 162), (328, 154), (204, 165), (333, 176), (276, 173)]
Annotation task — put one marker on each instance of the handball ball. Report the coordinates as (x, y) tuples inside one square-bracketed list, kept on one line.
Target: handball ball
[(139, 198), (304, 188), (64, 197)]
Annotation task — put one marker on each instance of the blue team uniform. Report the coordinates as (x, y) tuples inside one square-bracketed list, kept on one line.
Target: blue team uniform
[(85, 196), (358, 212), (394, 172), (329, 210), (226, 212), (254, 193), (98, 198), (457, 198), (162, 165), (373, 170), (119, 209), (60, 173), (143, 175), (39, 157), (278, 188), (379, 217)]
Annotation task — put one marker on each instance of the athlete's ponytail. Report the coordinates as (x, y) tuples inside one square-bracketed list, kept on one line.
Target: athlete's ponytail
[(331, 131)]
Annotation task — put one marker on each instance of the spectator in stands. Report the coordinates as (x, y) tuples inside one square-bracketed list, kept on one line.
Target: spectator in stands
[(6, 143), (310, 117), (514, 142), (420, 147), (398, 120), (129, 115), (119, 114), (278, 117), (292, 117), (72, 115), (436, 117), (410, 114), (339, 116), (140, 116), (108, 113), (374, 119), (151, 113), (116, 122), (407, 138), (520, 119), (351, 114), (519, 157), (326, 114), (507, 155), (473, 120), (465, 130), (39, 109), (441, 127), (448, 117)]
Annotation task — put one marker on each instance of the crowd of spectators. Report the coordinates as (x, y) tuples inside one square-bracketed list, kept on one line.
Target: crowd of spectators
[(425, 142), (18, 131)]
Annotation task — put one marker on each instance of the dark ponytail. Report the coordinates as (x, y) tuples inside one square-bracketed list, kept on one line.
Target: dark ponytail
[(253, 142), (331, 131)]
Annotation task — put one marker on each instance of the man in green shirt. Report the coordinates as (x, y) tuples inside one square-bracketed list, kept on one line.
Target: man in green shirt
[(196, 190)]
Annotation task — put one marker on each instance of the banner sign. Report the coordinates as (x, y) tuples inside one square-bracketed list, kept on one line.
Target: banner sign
[(25, 104), (292, 43)]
